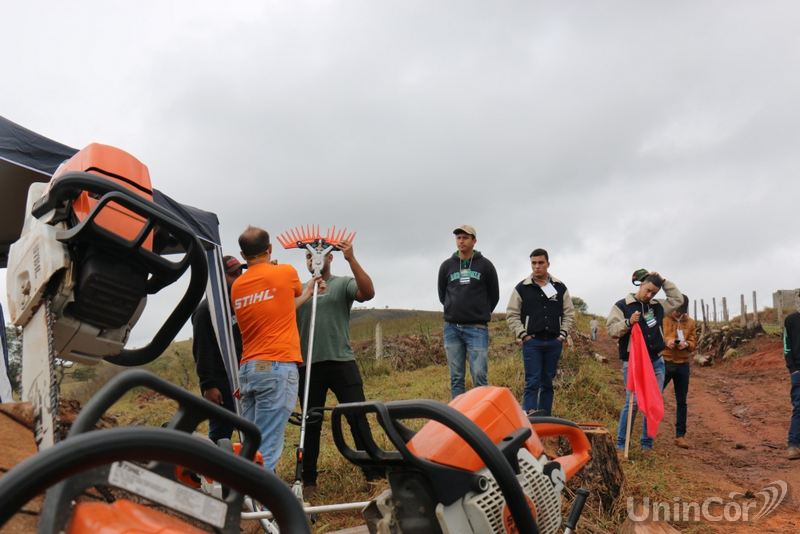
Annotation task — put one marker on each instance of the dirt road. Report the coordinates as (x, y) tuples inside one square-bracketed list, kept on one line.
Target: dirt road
[(738, 420)]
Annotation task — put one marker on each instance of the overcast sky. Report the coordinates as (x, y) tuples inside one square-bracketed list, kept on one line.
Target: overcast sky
[(616, 135)]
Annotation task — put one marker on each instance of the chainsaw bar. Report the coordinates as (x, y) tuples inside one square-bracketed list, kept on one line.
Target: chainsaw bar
[(39, 375), (299, 237)]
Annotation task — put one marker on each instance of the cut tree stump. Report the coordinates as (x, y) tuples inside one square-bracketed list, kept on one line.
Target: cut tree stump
[(17, 444), (602, 476)]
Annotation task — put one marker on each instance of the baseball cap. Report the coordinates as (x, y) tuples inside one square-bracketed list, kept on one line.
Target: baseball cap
[(232, 264), (638, 276), (467, 229)]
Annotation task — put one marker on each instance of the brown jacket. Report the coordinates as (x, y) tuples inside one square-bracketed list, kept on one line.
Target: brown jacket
[(671, 332)]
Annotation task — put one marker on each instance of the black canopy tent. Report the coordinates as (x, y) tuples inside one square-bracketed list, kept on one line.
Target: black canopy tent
[(27, 157)]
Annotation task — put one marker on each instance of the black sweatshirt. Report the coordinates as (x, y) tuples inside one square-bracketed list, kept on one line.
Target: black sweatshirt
[(791, 341), (468, 289)]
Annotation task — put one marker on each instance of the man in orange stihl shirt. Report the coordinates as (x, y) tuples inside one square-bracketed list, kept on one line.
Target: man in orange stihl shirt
[(264, 299)]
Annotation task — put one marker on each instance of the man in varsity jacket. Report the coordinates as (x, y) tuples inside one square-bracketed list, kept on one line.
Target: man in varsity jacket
[(540, 314), (642, 308)]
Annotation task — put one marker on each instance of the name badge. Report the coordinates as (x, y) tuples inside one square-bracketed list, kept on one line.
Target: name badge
[(464, 280), (650, 318), (681, 338), (550, 291)]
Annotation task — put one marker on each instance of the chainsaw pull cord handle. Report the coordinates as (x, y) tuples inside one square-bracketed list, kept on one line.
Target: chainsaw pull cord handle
[(576, 510), (317, 261)]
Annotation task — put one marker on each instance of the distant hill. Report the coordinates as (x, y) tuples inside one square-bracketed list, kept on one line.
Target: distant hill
[(382, 314)]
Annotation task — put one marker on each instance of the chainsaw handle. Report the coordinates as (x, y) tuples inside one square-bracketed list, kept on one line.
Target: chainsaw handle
[(193, 409), (162, 272), (94, 449), (546, 427)]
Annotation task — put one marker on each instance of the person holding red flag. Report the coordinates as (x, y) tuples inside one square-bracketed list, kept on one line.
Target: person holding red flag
[(642, 309)]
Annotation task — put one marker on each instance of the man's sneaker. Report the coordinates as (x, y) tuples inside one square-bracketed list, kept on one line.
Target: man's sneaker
[(621, 455), (645, 452), (794, 453), (682, 443)]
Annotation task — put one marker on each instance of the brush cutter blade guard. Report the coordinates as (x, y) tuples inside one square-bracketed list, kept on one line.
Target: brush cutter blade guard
[(299, 237)]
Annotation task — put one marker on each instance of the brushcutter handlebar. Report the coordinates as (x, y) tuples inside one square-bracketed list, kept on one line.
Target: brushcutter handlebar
[(318, 254)]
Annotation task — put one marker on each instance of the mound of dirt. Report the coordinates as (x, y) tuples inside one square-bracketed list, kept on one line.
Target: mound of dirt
[(768, 355)]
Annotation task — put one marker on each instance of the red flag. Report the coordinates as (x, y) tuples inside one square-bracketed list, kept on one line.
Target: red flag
[(642, 381)]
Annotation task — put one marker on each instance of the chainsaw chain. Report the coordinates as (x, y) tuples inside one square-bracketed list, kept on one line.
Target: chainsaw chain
[(51, 356)]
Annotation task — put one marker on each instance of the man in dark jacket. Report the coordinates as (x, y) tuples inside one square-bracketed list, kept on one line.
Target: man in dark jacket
[(791, 352), (642, 308), (469, 290), (214, 383), (540, 314)]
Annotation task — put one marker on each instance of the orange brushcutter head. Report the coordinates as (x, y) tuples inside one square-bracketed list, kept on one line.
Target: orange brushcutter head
[(299, 237)]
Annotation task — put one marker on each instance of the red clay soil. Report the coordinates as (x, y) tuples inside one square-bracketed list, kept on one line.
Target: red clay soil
[(739, 414)]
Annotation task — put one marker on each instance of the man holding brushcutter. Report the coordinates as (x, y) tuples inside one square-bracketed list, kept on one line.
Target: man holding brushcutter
[(334, 366), (642, 309), (264, 299)]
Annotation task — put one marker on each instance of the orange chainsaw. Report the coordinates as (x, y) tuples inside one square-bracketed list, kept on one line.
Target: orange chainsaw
[(478, 466), (79, 275)]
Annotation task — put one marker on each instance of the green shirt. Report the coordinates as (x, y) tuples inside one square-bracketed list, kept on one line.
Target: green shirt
[(332, 325)]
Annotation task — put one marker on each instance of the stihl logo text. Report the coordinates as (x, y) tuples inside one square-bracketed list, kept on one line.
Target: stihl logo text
[(252, 299)]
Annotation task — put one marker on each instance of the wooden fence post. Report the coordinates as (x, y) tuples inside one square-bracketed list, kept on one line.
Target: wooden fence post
[(743, 318), (725, 310), (695, 310), (378, 341), (714, 301), (755, 309), (703, 309)]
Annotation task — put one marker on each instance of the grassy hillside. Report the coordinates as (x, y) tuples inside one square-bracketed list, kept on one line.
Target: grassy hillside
[(414, 367)]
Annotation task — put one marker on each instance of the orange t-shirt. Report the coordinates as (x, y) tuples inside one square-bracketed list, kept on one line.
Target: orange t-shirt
[(263, 300)]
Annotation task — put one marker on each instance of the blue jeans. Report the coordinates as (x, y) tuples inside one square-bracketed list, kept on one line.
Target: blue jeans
[(594, 334), (268, 398), (540, 359), (794, 428), (460, 343), (647, 442), (678, 373)]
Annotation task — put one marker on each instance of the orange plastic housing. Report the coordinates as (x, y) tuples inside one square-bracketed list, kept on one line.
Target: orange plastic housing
[(124, 517), (493, 409), (497, 413), (117, 165)]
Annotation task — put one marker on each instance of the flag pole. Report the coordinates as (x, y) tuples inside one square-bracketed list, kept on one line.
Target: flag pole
[(630, 421)]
